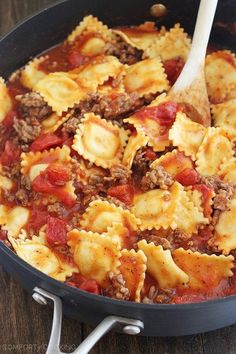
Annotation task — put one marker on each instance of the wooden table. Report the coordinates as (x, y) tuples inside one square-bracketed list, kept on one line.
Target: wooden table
[(25, 326)]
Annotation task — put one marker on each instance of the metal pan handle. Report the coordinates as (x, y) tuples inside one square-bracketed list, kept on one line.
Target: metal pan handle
[(127, 325)]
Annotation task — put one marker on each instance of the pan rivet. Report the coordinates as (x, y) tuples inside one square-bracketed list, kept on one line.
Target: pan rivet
[(132, 330), (39, 299), (158, 10)]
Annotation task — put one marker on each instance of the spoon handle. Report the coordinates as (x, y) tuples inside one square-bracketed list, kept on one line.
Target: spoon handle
[(196, 58), (202, 30)]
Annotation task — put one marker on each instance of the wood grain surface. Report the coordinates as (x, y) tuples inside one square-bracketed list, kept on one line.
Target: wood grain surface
[(25, 326)]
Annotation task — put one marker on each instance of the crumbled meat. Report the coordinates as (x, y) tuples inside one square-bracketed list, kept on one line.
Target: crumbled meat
[(160, 296), (22, 197), (178, 237), (96, 180), (117, 289), (124, 51), (25, 182), (27, 129), (111, 107), (157, 177), (12, 172), (71, 125), (119, 174), (223, 197), (56, 208), (32, 105), (224, 193), (141, 163), (162, 241), (152, 293), (74, 222)]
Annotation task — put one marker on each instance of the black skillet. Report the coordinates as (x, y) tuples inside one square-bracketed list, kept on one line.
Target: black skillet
[(30, 38)]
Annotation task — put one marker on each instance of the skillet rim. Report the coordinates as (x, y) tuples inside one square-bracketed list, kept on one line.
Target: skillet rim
[(101, 298), (75, 291)]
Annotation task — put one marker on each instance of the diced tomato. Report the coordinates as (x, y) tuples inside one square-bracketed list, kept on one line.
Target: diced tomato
[(3, 235), (150, 154), (37, 219), (68, 142), (8, 120), (42, 184), (173, 68), (10, 154), (183, 299), (76, 59), (164, 113), (187, 177), (58, 175), (91, 286), (82, 283), (56, 233), (124, 192), (206, 198), (45, 141)]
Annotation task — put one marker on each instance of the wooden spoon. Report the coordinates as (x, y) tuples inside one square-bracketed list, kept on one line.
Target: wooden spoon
[(190, 87)]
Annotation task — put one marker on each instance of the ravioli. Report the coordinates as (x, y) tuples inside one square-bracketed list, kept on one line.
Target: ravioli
[(173, 162), (213, 151), (146, 76), (31, 73), (99, 141), (225, 229), (60, 91), (100, 215), (5, 100), (94, 254), (220, 70), (133, 268), (40, 256), (204, 271), (142, 36), (187, 135), (13, 219), (173, 44), (224, 115), (167, 209), (89, 24), (162, 267)]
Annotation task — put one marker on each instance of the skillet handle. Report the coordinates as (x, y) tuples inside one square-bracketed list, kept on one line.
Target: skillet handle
[(127, 325)]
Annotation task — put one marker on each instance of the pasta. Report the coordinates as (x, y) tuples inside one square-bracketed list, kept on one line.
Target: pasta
[(106, 183)]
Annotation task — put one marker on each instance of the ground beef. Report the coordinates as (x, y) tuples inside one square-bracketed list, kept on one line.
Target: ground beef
[(117, 289), (24, 193), (124, 52), (157, 177), (140, 164), (33, 105), (12, 172), (162, 241), (56, 208), (160, 296), (27, 129), (119, 174), (224, 193), (22, 197), (114, 108), (71, 125)]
